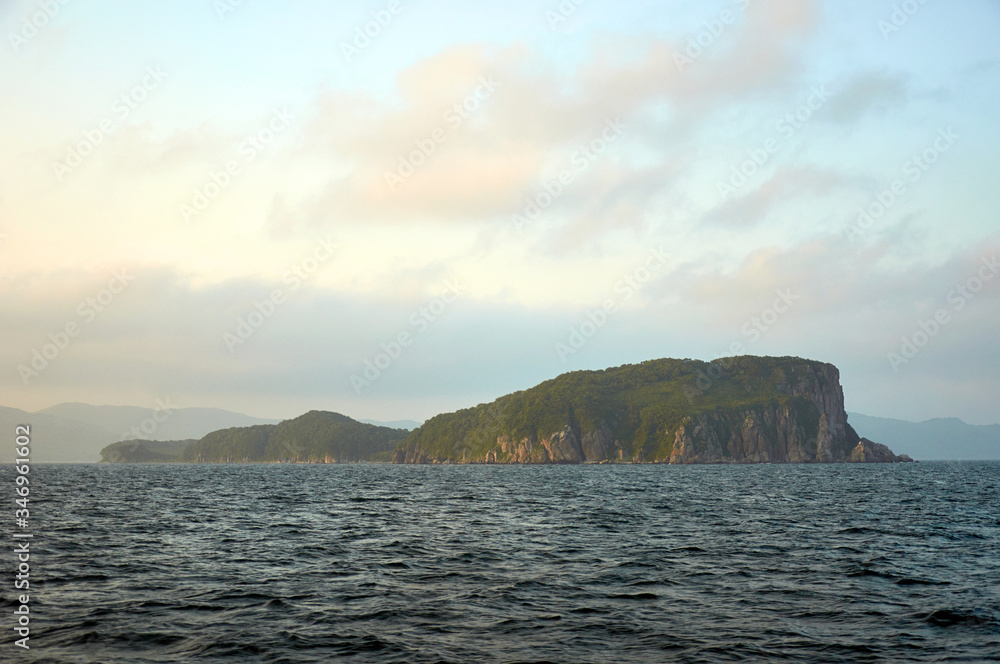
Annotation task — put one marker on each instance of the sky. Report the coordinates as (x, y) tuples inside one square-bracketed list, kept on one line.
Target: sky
[(393, 209)]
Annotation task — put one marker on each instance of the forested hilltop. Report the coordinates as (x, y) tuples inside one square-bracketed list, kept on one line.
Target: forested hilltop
[(316, 437), (734, 410), (145, 451)]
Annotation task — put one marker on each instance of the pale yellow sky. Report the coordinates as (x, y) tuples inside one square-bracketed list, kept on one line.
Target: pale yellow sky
[(537, 165)]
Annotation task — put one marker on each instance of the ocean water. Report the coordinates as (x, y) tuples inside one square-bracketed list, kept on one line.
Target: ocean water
[(383, 563)]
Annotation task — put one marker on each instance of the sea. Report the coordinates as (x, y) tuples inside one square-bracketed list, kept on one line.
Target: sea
[(598, 563)]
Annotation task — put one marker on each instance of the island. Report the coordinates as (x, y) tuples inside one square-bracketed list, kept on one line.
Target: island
[(315, 437), (733, 410)]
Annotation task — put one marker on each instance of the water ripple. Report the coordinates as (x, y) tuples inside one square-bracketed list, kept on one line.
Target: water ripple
[(382, 563)]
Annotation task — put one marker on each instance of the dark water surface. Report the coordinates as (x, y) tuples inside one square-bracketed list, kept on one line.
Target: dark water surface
[(382, 563)]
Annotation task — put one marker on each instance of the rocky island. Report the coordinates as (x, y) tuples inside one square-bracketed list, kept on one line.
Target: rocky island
[(734, 410)]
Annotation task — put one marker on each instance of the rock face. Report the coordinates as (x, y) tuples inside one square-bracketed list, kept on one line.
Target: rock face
[(753, 410), (868, 452), (563, 446), (781, 434)]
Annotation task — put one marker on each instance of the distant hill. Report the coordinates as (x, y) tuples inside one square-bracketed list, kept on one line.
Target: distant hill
[(145, 451), (734, 410), (54, 439), (317, 436), (943, 438), (131, 422), (77, 432)]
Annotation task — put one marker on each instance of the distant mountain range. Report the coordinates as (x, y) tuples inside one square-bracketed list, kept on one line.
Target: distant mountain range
[(938, 439), (54, 439), (76, 432), (165, 422)]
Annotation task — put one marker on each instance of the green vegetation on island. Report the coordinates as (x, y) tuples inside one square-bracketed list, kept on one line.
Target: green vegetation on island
[(743, 409), (316, 437), (145, 451)]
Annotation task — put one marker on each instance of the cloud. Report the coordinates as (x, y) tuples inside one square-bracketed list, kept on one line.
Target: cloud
[(527, 125), (834, 278), (786, 184), (165, 336), (876, 91)]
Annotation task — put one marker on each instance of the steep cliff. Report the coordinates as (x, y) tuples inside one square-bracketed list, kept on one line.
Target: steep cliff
[(735, 410)]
